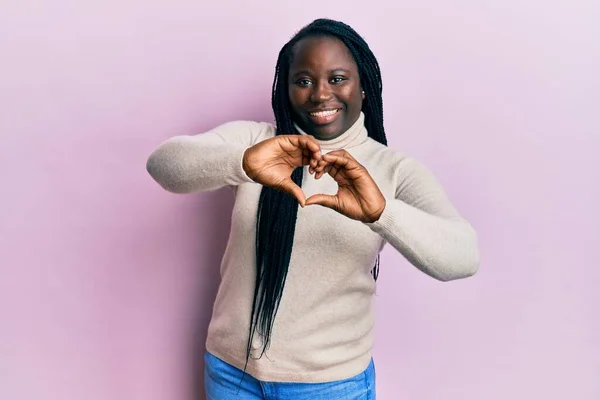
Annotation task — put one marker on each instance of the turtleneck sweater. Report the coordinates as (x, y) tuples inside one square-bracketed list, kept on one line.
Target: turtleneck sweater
[(323, 330)]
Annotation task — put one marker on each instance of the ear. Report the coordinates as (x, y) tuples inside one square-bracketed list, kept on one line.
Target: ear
[(362, 93)]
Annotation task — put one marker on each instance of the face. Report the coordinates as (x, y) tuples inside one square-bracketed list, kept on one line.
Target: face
[(324, 87)]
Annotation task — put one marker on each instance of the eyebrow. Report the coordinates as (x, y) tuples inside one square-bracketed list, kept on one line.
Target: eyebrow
[(331, 71)]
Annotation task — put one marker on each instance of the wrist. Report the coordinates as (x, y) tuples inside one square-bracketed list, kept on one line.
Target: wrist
[(374, 217), (245, 164)]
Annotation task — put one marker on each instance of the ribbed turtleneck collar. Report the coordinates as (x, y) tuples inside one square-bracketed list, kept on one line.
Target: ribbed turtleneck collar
[(354, 136)]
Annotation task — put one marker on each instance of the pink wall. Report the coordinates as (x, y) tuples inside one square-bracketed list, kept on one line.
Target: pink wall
[(107, 281)]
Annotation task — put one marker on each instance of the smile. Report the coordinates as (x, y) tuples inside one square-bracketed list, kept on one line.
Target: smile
[(324, 113), (324, 117)]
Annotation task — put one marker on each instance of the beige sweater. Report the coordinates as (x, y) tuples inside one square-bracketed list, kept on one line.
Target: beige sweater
[(324, 327)]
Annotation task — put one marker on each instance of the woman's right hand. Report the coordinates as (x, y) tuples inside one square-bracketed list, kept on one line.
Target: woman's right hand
[(271, 162)]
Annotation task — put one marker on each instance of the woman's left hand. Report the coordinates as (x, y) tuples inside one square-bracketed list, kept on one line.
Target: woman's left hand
[(358, 195)]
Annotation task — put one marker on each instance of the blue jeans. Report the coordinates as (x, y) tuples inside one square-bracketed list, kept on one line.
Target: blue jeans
[(222, 382)]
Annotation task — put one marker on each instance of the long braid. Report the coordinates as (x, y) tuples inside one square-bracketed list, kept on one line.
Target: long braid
[(277, 211)]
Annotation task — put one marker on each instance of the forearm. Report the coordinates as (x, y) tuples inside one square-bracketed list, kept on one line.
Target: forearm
[(443, 248), (186, 164)]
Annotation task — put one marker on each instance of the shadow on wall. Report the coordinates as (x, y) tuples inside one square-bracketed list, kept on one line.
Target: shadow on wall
[(214, 211)]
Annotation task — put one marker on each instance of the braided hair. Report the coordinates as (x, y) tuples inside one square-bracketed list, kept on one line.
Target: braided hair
[(277, 211)]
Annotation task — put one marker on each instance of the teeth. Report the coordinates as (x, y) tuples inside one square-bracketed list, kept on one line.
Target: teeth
[(323, 113)]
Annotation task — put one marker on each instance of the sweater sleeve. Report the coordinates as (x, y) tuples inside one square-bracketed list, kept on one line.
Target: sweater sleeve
[(208, 161), (422, 224)]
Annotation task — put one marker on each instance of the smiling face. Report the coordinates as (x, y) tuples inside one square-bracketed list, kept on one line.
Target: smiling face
[(324, 87)]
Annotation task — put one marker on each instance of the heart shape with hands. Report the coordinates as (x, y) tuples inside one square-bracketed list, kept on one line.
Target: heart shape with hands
[(271, 163)]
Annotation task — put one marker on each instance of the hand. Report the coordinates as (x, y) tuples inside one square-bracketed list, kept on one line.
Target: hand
[(358, 195), (272, 161)]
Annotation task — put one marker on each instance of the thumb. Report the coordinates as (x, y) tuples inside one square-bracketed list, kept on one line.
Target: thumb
[(290, 187), (325, 200)]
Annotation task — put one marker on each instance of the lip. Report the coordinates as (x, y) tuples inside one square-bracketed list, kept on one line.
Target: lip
[(324, 119)]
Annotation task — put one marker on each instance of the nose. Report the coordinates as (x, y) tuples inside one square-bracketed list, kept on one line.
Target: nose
[(321, 93)]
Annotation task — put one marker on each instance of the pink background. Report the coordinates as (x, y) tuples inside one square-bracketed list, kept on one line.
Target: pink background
[(107, 281)]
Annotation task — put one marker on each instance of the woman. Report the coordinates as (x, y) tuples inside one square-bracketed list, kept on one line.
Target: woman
[(294, 309)]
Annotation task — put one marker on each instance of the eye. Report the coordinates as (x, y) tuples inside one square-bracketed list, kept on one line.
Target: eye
[(303, 82), (337, 79)]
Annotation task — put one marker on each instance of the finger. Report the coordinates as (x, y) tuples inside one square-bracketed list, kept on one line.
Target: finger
[(325, 200), (309, 153), (341, 153), (316, 165), (344, 160), (325, 170), (321, 164), (308, 142), (307, 159), (308, 146), (290, 187), (319, 167), (341, 161)]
